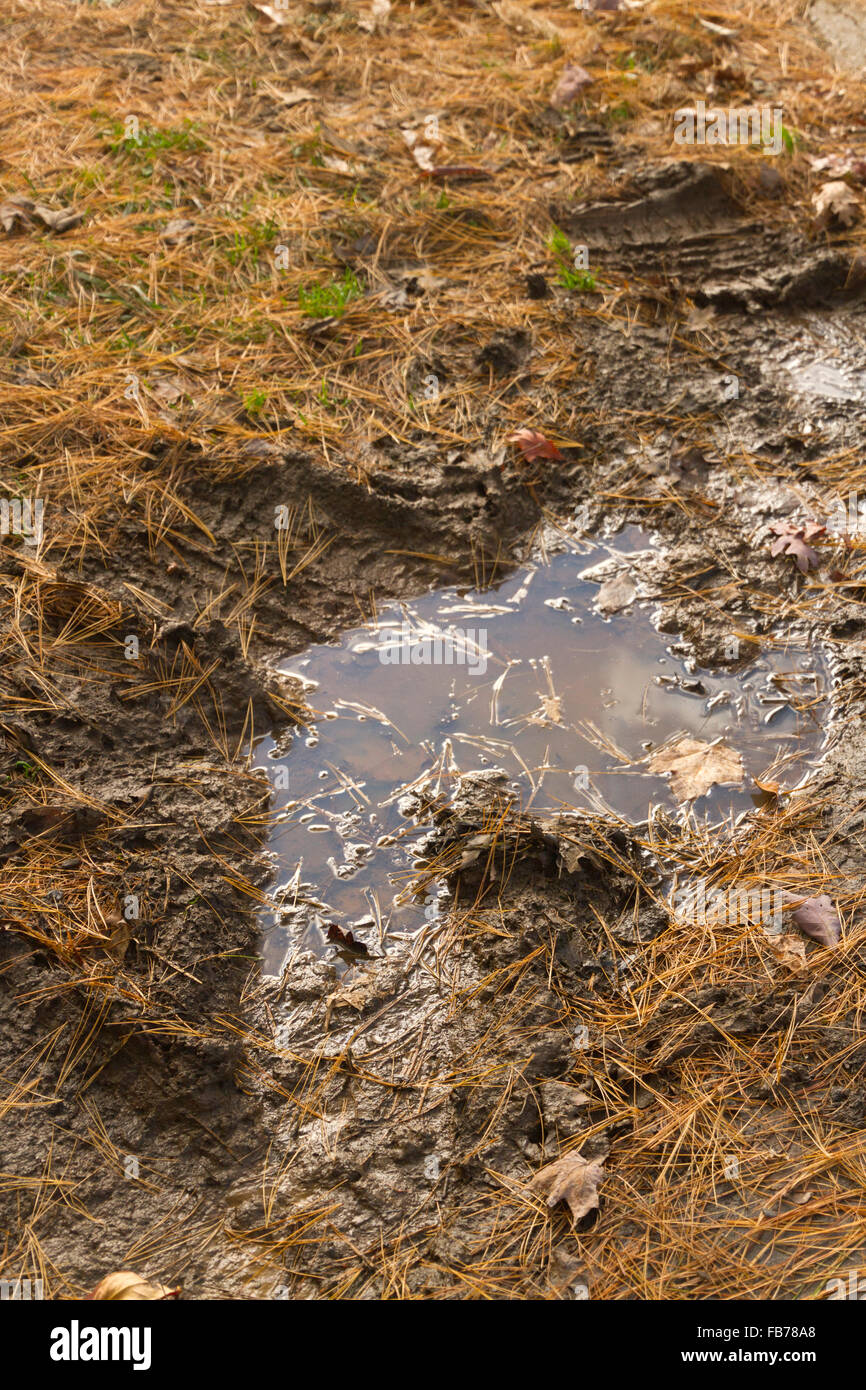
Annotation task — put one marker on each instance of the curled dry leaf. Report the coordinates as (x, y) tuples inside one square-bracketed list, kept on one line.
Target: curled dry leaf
[(57, 219), (789, 950), (357, 995), (836, 205), (423, 149), (843, 165), (124, 1286), (534, 445), (379, 11), (572, 81), (177, 231), (19, 214), (794, 540), (118, 934), (694, 767), (294, 97), (167, 389), (276, 14), (573, 1180), (346, 940), (817, 918)]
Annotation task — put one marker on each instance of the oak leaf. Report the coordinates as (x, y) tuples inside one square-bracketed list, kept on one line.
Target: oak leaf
[(346, 940), (794, 540), (836, 204)]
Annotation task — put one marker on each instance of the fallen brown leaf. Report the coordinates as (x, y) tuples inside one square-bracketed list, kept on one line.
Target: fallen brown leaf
[(695, 766), (788, 949), (167, 389), (816, 917), (118, 934), (836, 204), (13, 216), (18, 214), (347, 940), (616, 593), (124, 1286), (534, 445), (794, 540), (573, 1180), (58, 219)]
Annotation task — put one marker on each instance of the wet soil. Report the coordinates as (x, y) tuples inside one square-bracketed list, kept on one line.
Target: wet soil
[(557, 678), (393, 1105)]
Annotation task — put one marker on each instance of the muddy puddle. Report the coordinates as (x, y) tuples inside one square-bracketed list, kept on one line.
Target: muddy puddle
[(824, 359), (529, 677)]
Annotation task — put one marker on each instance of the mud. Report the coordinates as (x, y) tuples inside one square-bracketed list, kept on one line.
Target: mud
[(404, 1105), (557, 678)]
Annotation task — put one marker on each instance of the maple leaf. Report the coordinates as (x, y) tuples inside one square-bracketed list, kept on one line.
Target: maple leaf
[(534, 446), (816, 918), (694, 766), (794, 540), (573, 1180)]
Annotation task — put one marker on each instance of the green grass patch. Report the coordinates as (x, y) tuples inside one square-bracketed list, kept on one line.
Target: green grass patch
[(570, 275), (130, 137), (328, 301)]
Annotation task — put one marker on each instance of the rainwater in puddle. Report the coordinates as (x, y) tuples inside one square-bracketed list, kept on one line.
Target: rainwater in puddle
[(825, 361), (526, 677)]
